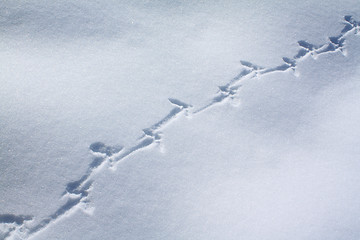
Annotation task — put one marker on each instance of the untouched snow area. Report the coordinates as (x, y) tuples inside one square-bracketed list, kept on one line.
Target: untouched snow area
[(180, 120)]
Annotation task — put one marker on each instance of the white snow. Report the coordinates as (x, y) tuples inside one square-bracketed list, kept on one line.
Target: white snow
[(272, 155)]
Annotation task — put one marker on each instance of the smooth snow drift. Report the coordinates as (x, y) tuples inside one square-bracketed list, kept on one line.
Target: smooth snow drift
[(84, 193)]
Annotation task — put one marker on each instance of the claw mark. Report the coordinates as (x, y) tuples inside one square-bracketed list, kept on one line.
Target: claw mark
[(179, 103), (77, 192), (307, 48), (350, 25), (250, 65)]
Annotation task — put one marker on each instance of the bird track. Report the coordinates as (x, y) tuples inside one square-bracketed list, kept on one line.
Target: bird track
[(76, 194)]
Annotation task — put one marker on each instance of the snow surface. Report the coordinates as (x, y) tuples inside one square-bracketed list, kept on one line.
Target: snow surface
[(179, 119)]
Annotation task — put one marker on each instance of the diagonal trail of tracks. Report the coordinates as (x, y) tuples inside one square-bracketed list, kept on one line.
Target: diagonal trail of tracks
[(76, 194)]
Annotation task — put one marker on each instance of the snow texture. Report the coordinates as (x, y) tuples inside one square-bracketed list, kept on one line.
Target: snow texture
[(107, 158)]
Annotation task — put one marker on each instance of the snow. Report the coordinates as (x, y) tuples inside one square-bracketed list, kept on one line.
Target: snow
[(130, 120)]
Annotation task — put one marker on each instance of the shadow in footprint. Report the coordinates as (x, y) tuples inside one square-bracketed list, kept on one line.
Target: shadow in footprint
[(72, 187), (11, 218), (99, 147)]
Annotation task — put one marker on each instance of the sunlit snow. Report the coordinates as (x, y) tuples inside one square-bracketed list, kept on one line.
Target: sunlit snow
[(179, 120)]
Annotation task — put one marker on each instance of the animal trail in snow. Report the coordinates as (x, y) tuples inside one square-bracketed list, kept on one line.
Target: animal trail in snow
[(252, 71), (76, 194)]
